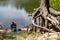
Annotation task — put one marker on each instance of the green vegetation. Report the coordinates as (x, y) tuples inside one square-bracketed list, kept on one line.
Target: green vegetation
[(55, 4), (58, 38), (13, 36), (21, 35), (6, 37), (29, 5)]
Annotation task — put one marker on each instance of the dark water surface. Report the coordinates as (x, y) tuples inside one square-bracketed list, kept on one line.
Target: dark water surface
[(16, 10)]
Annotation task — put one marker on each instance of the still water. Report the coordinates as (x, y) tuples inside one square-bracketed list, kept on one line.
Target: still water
[(16, 11)]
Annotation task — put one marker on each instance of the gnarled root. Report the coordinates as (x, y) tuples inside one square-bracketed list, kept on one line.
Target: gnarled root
[(43, 13)]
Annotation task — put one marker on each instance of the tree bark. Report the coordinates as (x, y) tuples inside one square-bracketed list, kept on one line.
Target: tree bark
[(45, 13)]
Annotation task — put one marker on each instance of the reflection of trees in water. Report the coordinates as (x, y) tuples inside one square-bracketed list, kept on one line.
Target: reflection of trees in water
[(28, 5), (3, 2)]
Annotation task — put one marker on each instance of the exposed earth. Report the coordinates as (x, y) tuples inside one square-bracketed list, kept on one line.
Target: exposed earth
[(38, 36)]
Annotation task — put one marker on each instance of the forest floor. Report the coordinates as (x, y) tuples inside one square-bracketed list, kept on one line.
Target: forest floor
[(39, 36), (32, 36)]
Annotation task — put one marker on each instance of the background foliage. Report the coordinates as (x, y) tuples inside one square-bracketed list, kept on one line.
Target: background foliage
[(55, 4)]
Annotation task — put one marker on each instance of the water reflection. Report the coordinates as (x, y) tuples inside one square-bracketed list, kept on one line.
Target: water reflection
[(16, 10), (29, 5), (3, 2)]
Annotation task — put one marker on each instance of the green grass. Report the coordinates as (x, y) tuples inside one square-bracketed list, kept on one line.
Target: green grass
[(6, 37), (13, 36), (58, 38), (21, 35)]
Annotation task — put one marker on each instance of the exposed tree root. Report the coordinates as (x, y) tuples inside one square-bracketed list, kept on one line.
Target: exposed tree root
[(45, 15), (54, 11), (42, 27)]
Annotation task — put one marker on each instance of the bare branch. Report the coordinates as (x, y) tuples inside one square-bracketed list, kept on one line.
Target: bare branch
[(41, 26), (54, 11), (36, 12), (51, 20), (54, 18)]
